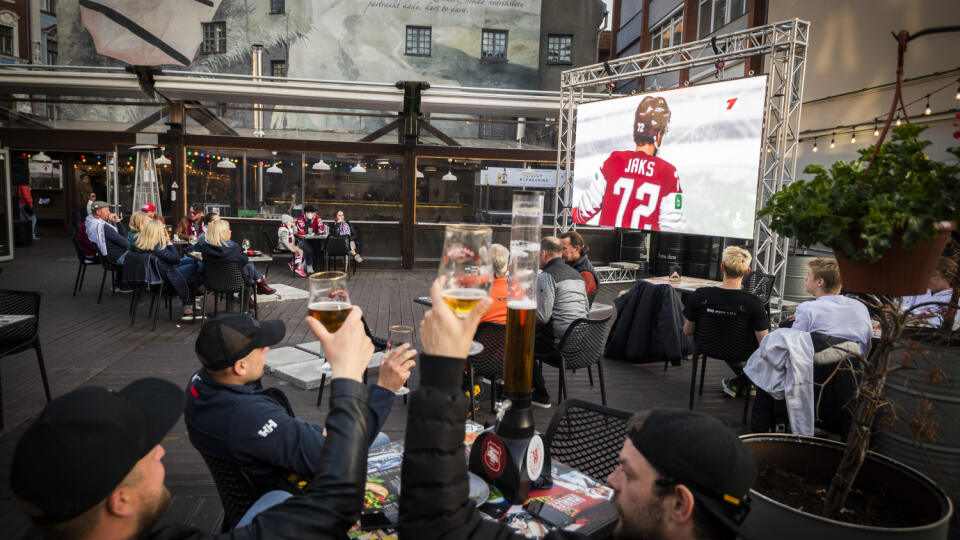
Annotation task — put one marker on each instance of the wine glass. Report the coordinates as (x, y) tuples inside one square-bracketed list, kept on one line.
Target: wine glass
[(245, 244), (329, 300), (397, 336), (466, 267)]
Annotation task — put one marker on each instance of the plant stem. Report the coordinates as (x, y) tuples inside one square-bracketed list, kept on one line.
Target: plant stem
[(869, 401)]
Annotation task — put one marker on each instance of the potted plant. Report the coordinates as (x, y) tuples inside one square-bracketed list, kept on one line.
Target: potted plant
[(886, 223)]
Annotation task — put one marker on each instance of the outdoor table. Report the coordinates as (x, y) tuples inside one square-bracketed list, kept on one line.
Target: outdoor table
[(253, 258), (180, 245), (685, 285), (319, 243), (573, 492), (13, 320)]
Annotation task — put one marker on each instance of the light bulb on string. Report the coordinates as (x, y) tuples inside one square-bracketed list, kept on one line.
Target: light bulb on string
[(832, 143), (853, 138), (814, 145), (876, 129), (898, 120), (957, 97), (926, 110)]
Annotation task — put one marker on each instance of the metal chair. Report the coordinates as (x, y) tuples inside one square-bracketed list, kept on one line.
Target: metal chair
[(580, 347), (84, 262), (726, 337), (759, 285), (587, 437), (112, 268), (236, 490), (339, 246), (489, 362), (275, 253), (226, 277), (22, 336)]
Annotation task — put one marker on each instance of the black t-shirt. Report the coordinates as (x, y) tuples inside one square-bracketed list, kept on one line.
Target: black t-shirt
[(727, 300)]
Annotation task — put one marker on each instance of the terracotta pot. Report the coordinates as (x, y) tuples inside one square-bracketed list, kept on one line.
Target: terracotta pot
[(902, 271)]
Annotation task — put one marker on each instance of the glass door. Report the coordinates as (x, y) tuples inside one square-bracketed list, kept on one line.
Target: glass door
[(6, 206)]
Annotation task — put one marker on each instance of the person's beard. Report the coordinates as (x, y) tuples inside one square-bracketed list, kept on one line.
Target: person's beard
[(150, 516), (644, 523)]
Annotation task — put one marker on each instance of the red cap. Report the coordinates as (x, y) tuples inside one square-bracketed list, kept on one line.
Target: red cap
[(148, 207)]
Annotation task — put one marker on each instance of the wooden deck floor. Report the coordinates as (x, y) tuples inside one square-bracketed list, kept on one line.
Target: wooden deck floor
[(89, 344)]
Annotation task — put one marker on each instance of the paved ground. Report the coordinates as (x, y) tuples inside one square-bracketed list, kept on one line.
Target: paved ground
[(85, 343)]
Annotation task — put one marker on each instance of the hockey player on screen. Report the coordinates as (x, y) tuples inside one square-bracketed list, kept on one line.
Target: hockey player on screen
[(634, 188)]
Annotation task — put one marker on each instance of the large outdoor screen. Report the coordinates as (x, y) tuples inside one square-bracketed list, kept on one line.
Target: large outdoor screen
[(684, 160)]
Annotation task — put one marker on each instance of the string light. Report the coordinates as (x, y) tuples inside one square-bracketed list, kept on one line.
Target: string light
[(958, 90), (814, 145), (876, 130), (832, 143), (927, 111), (898, 120), (853, 137)]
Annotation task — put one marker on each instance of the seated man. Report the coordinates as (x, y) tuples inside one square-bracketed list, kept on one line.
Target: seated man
[(830, 313), (561, 299), (230, 416), (110, 486), (666, 486), (105, 231), (575, 254), (937, 298), (729, 299)]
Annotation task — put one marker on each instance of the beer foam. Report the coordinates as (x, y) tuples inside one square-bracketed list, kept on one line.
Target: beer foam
[(525, 303)]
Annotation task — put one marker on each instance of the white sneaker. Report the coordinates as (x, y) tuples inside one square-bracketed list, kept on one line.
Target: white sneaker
[(309, 269)]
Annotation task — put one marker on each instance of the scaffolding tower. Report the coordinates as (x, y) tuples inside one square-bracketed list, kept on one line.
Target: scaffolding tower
[(783, 46)]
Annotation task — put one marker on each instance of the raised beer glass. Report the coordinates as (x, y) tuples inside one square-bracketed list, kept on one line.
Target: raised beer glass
[(522, 296), (467, 266), (329, 300), (397, 336)]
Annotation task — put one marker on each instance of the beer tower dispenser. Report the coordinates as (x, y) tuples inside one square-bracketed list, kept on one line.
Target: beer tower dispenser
[(511, 455)]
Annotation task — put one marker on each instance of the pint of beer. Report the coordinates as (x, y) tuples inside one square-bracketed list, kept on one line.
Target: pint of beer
[(522, 295), (466, 266), (329, 300)]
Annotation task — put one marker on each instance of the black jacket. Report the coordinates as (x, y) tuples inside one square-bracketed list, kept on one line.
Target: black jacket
[(434, 499), (649, 326), (333, 500), (335, 230), (167, 260), (230, 251)]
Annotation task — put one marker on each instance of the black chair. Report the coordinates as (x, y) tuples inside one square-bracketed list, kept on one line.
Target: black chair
[(489, 362), (580, 347), (587, 437), (272, 249), (84, 261), (759, 285), (108, 267), (236, 490), (155, 288), (226, 278), (337, 247), (726, 337), (19, 337)]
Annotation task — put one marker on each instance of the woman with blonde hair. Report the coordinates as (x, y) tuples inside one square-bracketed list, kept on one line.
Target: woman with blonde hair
[(153, 240), (497, 312), (219, 247), (137, 220)]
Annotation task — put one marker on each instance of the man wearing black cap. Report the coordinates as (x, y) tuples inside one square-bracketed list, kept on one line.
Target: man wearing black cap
[(682, 474), (90, 465), (230, 416)]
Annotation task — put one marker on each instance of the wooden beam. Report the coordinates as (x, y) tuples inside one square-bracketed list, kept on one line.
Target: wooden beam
[(408, 194), (438, 134), (381, 132), (66, 139), (499, 154)]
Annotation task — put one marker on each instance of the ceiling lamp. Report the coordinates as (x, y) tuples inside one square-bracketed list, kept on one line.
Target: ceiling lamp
[(321, 165), (226, 164), (449, 177), (358, 168), (273, 169), (41, 157), (527, 171), (162, 160)]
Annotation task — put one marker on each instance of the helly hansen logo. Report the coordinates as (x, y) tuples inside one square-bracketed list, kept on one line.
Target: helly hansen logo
[(267, 428)]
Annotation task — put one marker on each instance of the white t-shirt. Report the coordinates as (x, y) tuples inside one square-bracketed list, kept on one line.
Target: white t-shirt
[(931, 315), (836, 316)]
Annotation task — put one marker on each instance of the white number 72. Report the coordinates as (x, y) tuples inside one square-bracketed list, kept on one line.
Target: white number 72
[(647, 190)]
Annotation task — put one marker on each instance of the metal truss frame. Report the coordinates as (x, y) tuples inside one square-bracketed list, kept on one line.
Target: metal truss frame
[(783, 46)]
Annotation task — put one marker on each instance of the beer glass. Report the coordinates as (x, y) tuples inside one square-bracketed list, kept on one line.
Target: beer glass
[(397, 336), (245, 244), (467, 266), (329, 300), (522, 295)]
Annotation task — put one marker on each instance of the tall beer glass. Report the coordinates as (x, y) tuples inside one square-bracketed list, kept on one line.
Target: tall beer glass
[(522, 296), (329, 300), (467, 265)]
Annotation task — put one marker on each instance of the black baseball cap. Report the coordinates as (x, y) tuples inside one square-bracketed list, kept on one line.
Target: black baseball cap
[(86, 442), (228, 338), (702, 453)]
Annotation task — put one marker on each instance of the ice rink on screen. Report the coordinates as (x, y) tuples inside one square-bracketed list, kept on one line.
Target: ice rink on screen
[(714, 145)]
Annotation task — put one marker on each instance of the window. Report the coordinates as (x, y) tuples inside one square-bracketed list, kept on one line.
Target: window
[(715, 14), (214, 37), (497, 130), (276, 6), (50, 6), (7, 40), (559, 49), (493, 45), (51, 52), (278, 68), (418, 40), (669, 32)]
